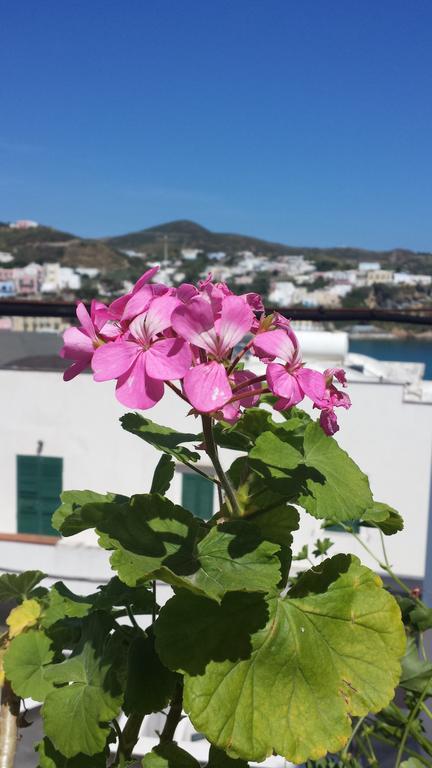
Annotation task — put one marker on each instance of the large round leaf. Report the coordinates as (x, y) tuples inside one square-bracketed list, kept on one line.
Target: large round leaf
[(329, 649)]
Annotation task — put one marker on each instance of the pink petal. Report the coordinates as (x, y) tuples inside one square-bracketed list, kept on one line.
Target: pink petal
[(116, 308), (158, 315), (328, 421), (139, 302), (255, 301), (283, 384), (275, 344), (337, 373), (145, 278), (186, 292), (207, 387), (85, 320), (312, 383), (77, 345), (74, 370), (194, 322), (242, 377), (235, 321), (137, 389), (113, 359), (230, 412), (168, 359)]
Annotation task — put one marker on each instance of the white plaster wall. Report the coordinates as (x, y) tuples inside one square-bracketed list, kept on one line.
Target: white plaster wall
[(390, 440)]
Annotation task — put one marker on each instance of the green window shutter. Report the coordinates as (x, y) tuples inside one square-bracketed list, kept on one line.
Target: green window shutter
[(197, 495), (39, 484)]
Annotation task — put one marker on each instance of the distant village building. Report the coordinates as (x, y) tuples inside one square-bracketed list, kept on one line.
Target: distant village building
[(23, 224), (216, 255), (379, 276), (5, 257), (369, 266), (296, 264), (404, 278), (190, 254)]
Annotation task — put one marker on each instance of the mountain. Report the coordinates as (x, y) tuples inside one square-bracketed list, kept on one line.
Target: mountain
[(44, 243), (189, 234)]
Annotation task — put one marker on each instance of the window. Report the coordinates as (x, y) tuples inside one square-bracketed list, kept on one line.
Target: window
[(197, 495), (39, 485)]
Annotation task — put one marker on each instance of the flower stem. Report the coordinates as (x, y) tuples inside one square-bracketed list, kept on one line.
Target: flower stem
[(410, 720), (212, 452), (246, 393)]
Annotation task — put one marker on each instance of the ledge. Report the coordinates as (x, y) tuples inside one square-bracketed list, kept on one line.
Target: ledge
[(30, 538)]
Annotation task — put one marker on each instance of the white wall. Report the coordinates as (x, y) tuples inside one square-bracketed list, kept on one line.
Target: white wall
[(389, 438)]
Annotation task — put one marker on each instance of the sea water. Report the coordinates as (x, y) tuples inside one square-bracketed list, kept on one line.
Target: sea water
[(401, 350)]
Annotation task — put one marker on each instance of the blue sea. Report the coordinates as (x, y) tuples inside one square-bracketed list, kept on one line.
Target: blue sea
[(407, 351)]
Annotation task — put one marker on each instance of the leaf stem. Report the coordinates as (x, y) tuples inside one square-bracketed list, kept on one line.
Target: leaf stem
[(174, 715), (358, 724), (212, 452), (132, 617)]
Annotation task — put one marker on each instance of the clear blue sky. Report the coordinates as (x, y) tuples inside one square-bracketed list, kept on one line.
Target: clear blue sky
[(303, 121)]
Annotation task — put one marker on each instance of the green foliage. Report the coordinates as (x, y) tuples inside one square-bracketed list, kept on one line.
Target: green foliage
[(163, 475), (303, 654), (169, 755), (25, 662), (163, 439), (262, 660), (19, 586)]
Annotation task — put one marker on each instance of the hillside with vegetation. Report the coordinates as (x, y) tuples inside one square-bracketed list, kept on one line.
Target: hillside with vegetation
[(46, 244)]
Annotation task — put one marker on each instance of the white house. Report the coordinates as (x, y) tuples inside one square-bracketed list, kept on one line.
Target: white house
[(69, 434)]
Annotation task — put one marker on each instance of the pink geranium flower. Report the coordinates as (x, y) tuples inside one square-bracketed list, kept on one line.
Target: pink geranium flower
[(206, 385), (241, 380), (333, 398), (290, 381), (118, 306), (142, 359), (80, 343)]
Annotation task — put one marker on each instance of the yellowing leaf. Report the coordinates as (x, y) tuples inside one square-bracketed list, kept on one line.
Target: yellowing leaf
[(23, 616)]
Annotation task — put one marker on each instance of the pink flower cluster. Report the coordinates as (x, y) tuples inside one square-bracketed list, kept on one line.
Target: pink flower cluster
[(156, 335)]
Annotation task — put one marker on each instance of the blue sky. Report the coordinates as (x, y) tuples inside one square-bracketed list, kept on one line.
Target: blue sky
[(303, 121)]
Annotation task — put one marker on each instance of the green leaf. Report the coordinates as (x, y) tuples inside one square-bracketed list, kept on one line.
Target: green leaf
[(75, 714), (302, 554), (276, 454), (150, 685), (322, 546), (169, 755), (384, 517), (67, 518), (412, 762), (219, 759), (116, 593), (415, 671), (163, 475), (18, 586), (25, 662), (62, 603), (421, 617), (151, 538), (49, 757), (329, 652), (163, 439), (343, 491), (234, 556), (192, 630)]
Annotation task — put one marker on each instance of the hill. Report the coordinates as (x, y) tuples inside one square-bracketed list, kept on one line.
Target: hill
[(188, 234), (44, 244)]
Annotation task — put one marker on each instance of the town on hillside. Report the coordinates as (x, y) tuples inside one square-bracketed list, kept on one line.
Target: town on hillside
[(41, 263)]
